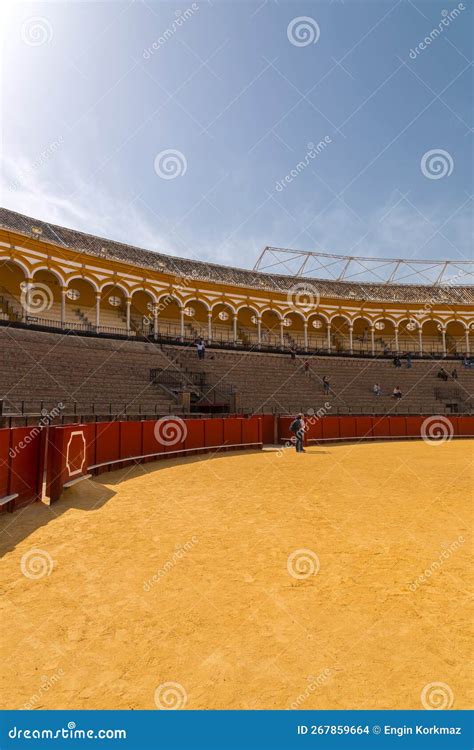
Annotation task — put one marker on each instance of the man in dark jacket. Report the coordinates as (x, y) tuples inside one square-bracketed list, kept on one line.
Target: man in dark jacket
[(298, 429)]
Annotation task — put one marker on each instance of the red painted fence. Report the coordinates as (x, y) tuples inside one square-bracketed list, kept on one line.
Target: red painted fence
[(72, 452), (38, 461), (333, 428)]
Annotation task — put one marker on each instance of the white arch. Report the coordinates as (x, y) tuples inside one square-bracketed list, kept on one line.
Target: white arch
[(248, 307), (301, 315), (87, 279), (150, 294), (433, 320), (224, 303), (189, 300), (170, 295), (117, 285), (340, 315), (279, 315), (53, 271), (370, 321), (319, 315), (18, 263)]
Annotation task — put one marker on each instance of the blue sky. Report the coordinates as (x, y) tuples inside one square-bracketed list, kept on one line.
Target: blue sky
[(94, 92)]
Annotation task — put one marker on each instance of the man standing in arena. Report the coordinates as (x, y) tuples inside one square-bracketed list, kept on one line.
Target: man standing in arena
[(297, 427)]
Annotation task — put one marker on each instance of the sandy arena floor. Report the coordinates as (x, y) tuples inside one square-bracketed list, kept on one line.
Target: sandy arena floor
[(184, 572)]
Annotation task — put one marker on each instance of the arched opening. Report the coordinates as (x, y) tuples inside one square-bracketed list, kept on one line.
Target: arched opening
[(42, 300), (223, 323), (317, 333), (247, 326), (340, 338), (385, 339), (196, 320), (80, 304), (455, 338), (293, 331), (408, 336), (113, 310), (141, 312), (12, 279), (271, 329), (432, 337), (361, 335), (169, 316)]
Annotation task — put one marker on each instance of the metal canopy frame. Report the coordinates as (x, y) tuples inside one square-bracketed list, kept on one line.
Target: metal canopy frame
[(305, 263)]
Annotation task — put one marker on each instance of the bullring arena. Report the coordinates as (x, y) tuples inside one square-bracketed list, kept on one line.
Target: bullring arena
[(165, 546)]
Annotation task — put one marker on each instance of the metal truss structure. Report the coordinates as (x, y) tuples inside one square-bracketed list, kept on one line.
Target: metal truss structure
[(307, 264)]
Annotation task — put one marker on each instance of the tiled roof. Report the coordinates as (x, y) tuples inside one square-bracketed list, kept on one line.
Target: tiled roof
[(213, 272)]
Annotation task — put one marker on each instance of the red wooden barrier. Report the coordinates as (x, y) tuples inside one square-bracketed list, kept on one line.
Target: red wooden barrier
[(75, 450), (24, 464)]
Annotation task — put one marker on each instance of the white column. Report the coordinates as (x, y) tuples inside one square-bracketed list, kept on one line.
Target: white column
[(329, 337), (372, 340), (181, 322), (443, 337), (351, 327), (235, 327), (155, 321), (259, 330), (420, 339), (397, 348), (466, 334), (282, 337), (63, 307), (25, 298), (128, 304), (97, 310), (209, 326), (305, 328)]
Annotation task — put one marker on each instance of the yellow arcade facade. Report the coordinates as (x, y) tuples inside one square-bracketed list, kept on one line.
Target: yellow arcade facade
[(58, 287)]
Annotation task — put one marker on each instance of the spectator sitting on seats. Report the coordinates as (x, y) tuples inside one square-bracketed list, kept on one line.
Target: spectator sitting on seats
[(397, 392), (376, 389), (326, 384)]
